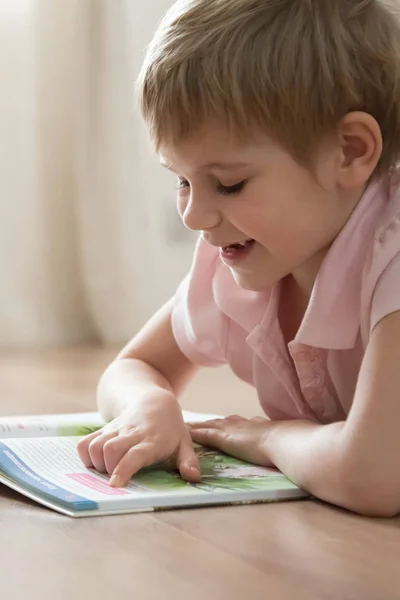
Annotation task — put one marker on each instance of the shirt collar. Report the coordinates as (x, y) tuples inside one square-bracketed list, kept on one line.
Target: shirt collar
[(332, 318)]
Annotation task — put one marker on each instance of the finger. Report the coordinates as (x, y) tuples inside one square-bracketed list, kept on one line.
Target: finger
[(234, 418), (187, 462), (215, 438), (214, 424), (133, 460), (96, 447), (115, 448), (83, 448)]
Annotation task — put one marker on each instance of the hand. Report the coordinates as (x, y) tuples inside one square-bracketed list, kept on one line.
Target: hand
[(149, 432), (239, 437)]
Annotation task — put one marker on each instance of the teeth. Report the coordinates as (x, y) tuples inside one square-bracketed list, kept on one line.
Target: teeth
[(242, 243)]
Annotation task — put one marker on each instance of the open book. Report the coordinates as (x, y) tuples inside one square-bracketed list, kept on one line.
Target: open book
[(38, 458)]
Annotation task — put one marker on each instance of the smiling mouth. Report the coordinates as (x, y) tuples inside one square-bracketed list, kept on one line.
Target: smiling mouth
[(235, 253), (237, 247)]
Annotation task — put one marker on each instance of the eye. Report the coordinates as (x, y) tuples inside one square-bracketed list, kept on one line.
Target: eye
[(230, 190), (182, 183)]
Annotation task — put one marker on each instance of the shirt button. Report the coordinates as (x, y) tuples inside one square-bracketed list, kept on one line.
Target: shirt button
[(310, 395)]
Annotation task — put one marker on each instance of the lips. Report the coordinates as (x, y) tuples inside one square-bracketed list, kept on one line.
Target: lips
[(236, 252), (237, 246)]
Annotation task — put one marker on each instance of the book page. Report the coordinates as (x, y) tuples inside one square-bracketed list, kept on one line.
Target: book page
[(70, 424), (51, 467), (74, 424)]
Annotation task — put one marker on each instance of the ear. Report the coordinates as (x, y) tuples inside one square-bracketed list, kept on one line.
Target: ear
[(360, 140)]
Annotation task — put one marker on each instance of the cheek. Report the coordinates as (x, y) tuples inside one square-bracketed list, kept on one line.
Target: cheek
[(265, 214), (283, 223)]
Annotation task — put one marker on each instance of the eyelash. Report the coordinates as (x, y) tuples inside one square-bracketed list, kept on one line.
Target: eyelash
[(224, 190)]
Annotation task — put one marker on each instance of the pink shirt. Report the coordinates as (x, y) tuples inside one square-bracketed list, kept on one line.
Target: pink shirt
[(216, 322)]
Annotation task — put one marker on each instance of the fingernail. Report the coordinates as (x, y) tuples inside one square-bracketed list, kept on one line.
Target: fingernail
[(195, 471), (115, 481)]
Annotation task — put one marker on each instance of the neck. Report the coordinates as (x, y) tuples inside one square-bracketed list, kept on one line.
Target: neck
[(293, 303)]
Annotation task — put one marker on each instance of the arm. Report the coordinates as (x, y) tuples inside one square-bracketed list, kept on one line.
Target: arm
[(139, 392), (354, 464), (152, 359)]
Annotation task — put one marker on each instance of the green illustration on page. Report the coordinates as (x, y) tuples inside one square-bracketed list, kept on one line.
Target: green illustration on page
[(219, 471)]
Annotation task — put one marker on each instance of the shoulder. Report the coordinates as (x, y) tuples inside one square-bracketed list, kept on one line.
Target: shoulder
[(381, 275), (385, 242), (386, 232)]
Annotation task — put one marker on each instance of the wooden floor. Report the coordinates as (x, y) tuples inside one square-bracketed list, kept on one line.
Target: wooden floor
[(284, 551)]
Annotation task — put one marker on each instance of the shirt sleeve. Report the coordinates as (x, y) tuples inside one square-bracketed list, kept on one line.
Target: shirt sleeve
[(199, 326), (386, 296), (383, 289)]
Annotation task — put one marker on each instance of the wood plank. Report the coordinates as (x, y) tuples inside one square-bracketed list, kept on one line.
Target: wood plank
[(104, 557), (314, 546)]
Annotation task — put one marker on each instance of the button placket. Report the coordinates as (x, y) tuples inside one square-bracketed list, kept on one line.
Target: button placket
[(266, 348), (315, 384)]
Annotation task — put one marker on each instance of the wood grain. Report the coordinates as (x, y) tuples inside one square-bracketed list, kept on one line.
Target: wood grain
[(279, 551)]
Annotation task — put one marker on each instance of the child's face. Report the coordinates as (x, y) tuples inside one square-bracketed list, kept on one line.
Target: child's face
[(258, 194)]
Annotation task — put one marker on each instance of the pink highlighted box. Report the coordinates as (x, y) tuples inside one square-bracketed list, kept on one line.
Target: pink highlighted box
[(96, 484)]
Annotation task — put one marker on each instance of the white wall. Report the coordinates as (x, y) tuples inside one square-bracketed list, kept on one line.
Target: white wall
[(90, 243), (137, 251), (41, 298)]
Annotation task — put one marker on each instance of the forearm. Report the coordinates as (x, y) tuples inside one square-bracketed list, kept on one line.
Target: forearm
[(328, 463), (309, 454), (125, 382)]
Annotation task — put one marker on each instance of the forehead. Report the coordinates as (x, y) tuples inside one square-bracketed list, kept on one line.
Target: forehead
[(214, 148)]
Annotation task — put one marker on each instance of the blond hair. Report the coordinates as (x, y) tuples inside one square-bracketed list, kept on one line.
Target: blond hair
[(291, 68)]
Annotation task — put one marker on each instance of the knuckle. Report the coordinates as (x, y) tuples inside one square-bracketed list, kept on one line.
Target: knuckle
[(96, 448), (146, 454), (132, 429), (96, 444), (87, 439), (111, 447), (207, 432), (82, 445), (125, 429), (143, 450)]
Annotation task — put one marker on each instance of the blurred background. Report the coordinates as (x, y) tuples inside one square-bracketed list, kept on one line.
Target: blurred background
[(90, 240)]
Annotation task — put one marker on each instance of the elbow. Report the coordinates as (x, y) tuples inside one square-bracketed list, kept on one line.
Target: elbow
[(373, 505), (369, 494)]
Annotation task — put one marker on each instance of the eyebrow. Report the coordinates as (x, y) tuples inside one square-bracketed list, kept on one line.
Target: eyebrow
[(219, 166)]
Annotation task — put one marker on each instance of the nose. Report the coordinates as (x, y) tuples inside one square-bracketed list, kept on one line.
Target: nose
[(199, 213)]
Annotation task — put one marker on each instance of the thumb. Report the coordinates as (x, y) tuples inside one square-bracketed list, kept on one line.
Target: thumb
[(187, 462)]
